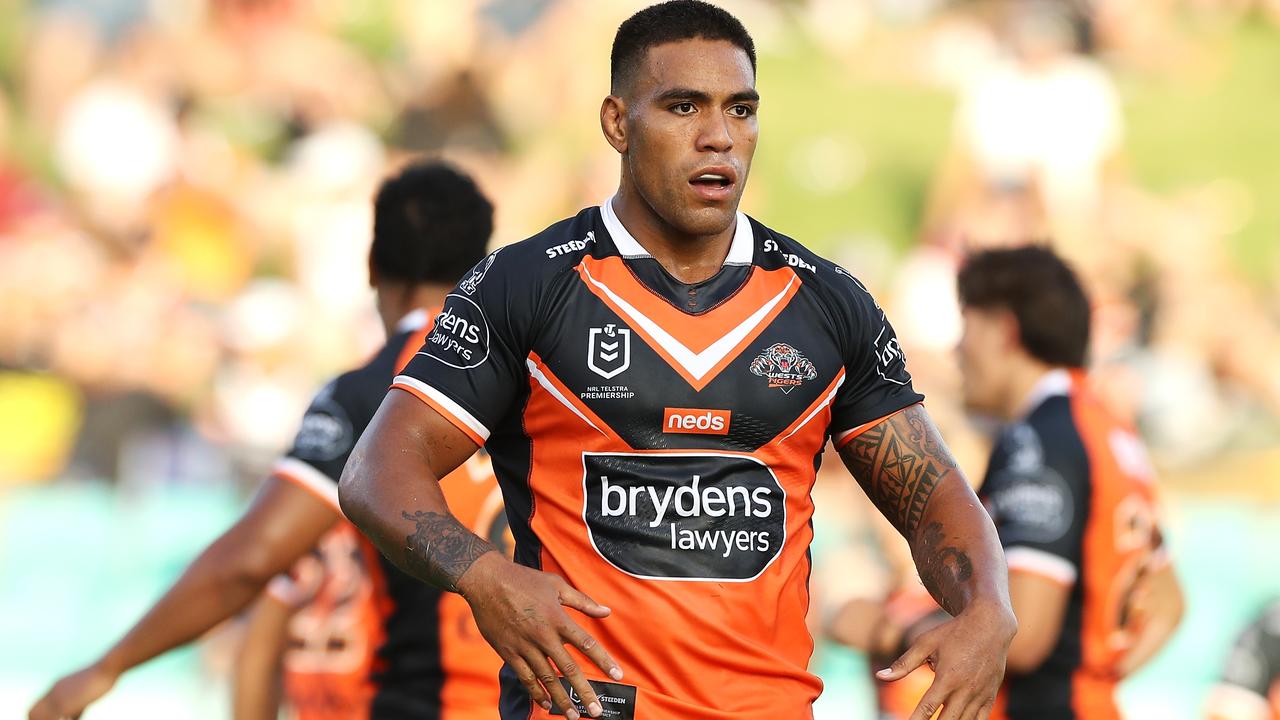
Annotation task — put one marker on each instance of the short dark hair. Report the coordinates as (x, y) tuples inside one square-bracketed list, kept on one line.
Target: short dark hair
[(1041, 291), (668, 22), (431, 224)]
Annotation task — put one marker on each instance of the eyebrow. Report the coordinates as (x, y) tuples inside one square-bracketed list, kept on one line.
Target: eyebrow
[(702, 97)]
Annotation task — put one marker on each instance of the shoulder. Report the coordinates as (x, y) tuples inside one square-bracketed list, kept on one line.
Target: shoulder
[(831, 283), (538, 258)]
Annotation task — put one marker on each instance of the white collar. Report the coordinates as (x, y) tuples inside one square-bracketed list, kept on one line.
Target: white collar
[(741, 249), (1053, 383), (413, 320)]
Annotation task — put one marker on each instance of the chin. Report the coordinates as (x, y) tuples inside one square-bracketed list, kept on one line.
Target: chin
[(706, 220)]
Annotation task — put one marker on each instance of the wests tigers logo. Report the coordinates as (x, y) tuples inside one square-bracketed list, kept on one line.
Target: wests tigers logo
[(784, 367)]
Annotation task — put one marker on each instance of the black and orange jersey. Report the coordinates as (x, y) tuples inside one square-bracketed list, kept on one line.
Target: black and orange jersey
[(1250, 685), (1073, 499), (373, 642), (656, 443)]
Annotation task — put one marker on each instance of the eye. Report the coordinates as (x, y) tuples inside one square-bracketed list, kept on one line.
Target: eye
[(742, 111), (684, 108)]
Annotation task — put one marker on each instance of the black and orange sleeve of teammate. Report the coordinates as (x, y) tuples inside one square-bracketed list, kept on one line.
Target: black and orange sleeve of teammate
[(906, 469)]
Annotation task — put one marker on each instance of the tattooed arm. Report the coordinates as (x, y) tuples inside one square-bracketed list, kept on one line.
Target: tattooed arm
[(908, 472), (390, 490)]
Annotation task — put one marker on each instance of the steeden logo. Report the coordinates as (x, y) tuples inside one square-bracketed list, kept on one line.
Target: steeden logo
[(696, 421)]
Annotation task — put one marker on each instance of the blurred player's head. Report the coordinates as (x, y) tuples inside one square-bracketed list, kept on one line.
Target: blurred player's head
[(1024, 313), (682, 113), (431, 225)]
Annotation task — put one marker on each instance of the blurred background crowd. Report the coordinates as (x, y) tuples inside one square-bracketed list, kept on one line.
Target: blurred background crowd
[(185, 213)]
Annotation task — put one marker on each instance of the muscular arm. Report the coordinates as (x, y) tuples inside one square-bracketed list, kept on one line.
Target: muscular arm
[(910, 475), (390, 489), (283, 522), (908, 472)]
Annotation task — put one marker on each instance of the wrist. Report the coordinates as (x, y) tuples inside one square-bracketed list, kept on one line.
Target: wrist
[(995, 611), (475, 577), (110, 665)]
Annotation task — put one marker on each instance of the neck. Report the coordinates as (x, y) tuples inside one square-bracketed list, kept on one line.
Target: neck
[(689, 258), (1023, 373), (395, 301)]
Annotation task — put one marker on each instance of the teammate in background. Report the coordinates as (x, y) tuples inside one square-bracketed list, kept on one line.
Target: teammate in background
[(655, 379), (1070, 489), (1071, 494), (384, 644), (1250, 684)]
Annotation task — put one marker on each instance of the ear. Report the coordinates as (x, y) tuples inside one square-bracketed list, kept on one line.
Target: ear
[(613, 112), (1011, 334)]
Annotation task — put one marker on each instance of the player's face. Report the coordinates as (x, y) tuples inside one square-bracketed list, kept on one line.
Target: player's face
[(981, 355), (691, 133)]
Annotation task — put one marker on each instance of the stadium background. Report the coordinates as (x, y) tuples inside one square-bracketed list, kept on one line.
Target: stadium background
[(184, 212)]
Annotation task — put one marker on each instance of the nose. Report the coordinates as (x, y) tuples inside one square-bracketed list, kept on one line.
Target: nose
[(715, 135)]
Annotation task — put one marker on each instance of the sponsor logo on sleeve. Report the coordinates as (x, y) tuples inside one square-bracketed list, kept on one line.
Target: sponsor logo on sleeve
[(556, 251), (695, 421), (783, 366), (609, 350), (470, 283), (325, 433), (891, 363), (1032, 509), (684, 516), (460, 337)]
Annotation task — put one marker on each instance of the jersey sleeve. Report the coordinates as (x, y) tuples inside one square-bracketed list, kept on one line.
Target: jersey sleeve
[(322, 445), (473, 362), (1038, 500), (876, 382)]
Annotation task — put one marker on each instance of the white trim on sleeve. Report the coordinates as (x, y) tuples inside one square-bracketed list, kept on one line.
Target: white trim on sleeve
[(460, 413), (1042, 563), (320, 485)]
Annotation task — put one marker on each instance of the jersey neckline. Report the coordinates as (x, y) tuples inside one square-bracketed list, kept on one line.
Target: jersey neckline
[(741, 248)]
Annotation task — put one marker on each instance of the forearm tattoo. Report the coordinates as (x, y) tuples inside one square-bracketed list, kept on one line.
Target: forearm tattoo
[(441, 549), (943, 569), (899, 463)]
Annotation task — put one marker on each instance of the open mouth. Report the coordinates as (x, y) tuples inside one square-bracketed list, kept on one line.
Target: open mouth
[(712, 180)]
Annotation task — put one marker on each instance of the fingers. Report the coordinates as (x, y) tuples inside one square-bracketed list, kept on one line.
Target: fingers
[(551, 683), (914, 657), (580, 639), (984, 712), (929, 705), (571, 672), (578, 600), (529, 680)]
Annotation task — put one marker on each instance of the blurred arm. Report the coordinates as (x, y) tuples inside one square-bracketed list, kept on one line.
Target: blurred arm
[(1040, 604), (283, 522), (257, 678), (1161, 608)]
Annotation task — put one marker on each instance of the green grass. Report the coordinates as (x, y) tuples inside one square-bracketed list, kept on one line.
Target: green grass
[(884, 139), (1184, 132)]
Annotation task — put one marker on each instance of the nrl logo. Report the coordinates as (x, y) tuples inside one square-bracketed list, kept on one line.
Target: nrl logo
[(783, 366), (468, 286), (609, 350)]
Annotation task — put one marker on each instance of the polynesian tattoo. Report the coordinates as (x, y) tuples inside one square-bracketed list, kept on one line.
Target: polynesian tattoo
[(899, 463), (441, 549)]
